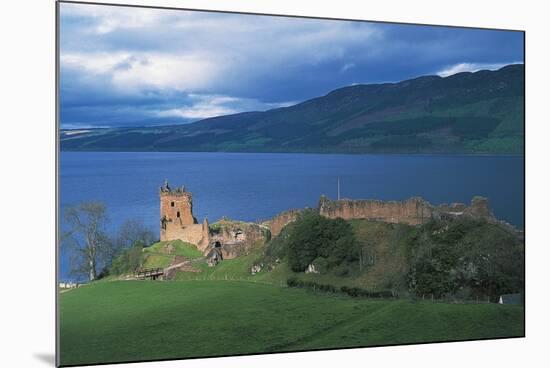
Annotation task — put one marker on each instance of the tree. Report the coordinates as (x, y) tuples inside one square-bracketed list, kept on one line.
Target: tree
[(128, 261), (313, 235), (132, 237), (133, 232), (466, 257), (87, 240), (304, 240)]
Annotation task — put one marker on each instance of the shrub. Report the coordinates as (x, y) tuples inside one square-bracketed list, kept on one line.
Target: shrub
[(354, 292), (471, 258), (128, 261), (313, 236), (357, 292)]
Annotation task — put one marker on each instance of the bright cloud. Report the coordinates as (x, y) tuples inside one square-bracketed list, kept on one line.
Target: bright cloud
[(346, 67), (470, 67), (127, 66), (96, 63), (146, 70), (106, 19), (207, 47), (197, 112), (206, 106), (181, 72)]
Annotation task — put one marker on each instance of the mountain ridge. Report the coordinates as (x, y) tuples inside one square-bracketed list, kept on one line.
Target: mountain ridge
[(468, 112)]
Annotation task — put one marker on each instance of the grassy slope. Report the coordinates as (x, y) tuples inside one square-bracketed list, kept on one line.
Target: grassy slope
[(388, 244), (232, 268), (162, 254), (387, 254), (133, 320), (387, 241)]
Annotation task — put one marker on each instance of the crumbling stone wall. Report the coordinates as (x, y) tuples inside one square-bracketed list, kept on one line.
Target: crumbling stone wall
[(237, 238), (413, 211), (277, 223), (196, 234), (479, 208)]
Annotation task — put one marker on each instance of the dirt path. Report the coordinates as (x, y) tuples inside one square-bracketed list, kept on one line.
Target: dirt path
[(176, 265), (180, 263)]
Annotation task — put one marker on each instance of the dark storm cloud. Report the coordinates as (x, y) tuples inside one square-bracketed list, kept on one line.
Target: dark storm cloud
[(131, 66)]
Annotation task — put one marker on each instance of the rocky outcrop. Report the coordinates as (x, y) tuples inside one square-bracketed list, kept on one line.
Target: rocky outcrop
[(236, 238), (311, 269), (478, 209), (256, 268)]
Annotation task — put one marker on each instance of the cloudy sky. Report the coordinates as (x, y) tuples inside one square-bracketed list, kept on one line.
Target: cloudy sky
[(133, 67)]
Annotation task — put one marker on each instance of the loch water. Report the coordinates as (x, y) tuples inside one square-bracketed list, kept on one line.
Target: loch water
[(257, 186)]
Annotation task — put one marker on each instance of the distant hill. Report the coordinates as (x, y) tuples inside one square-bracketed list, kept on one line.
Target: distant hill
[(481, 112)]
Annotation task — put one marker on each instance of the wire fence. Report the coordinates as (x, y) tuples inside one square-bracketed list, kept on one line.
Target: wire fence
[(279, 283), (455, 300), (225, 277)]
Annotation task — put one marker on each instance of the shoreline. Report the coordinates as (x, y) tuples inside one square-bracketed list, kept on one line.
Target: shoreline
[(432, 154)]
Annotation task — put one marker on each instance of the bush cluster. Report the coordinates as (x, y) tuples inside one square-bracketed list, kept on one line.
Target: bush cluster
[(455, 258), (355, 292), (128, 261), (326, 288), (465, 259), (315, 236)]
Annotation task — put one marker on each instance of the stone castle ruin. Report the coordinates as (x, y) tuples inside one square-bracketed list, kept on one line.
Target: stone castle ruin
[(177, 220), (412, 211), (277, 223), (226, 239), (237, 238)]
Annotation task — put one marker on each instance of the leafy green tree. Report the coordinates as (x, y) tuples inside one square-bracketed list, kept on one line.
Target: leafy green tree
[(465, 257), (131, 238), (128, 261), (314, 236), (304, 240)]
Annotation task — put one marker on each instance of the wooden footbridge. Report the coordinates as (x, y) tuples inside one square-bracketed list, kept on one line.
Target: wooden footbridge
[(149, 273)]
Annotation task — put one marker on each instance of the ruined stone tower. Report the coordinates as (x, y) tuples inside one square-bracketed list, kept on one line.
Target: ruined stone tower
[(176, 217)]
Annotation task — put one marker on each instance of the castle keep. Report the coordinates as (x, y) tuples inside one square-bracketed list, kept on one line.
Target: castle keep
[(177, 220), (225, 240)]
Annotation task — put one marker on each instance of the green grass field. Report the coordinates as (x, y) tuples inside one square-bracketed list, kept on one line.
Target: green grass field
[(147, 320), (162, 254)]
